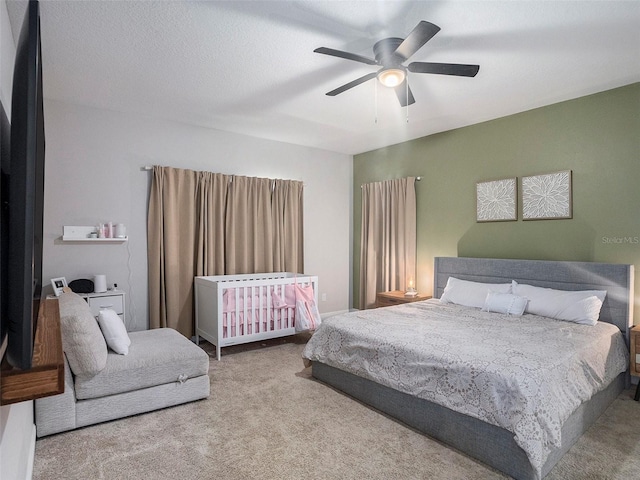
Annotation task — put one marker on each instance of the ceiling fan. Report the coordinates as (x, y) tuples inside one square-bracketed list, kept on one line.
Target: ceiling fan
[(390, 53)]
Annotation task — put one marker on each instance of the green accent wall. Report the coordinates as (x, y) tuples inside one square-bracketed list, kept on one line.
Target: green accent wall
[(597, 137)]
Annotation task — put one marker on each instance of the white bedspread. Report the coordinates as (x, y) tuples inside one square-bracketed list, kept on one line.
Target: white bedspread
[(525, 374)]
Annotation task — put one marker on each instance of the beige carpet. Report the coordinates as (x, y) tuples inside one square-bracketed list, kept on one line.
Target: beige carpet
[(267, 419)]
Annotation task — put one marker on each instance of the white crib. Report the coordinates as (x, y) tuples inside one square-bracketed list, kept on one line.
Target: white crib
[(235, 309)]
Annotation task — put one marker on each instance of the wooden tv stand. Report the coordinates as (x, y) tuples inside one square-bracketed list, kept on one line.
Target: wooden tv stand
[(46, 375)]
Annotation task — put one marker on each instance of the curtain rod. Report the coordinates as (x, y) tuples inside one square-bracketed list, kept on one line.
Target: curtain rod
[(417, 179), (148, 168)]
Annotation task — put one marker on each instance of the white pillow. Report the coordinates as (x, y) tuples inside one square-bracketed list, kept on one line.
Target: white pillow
[(114, 331), (504, 303), (579, 306), (470, 294)]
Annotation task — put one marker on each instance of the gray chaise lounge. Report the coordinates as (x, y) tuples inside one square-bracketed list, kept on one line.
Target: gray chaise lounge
[(162, 369)]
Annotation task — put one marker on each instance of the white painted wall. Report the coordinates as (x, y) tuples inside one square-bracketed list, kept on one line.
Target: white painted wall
[(93, 174), (17, 431), (93, 161)]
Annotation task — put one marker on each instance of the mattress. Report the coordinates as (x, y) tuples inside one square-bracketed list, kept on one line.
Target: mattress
[(526, 374)]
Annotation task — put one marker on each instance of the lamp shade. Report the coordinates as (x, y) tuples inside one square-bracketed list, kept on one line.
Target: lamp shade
[(391, 77)]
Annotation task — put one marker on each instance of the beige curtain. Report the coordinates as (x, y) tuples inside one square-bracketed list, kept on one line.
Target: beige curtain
[(172, 239), (286, 210), (388, 238), (248, 228), (212, 204), (203, 223)]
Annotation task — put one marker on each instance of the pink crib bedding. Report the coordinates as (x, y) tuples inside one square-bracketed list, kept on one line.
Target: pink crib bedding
[(268, 308)]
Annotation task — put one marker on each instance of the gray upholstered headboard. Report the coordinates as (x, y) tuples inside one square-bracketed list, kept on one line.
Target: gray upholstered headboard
[(616, 279)]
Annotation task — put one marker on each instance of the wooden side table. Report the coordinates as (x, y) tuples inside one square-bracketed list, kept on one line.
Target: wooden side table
[(397, 297), (635, 356)]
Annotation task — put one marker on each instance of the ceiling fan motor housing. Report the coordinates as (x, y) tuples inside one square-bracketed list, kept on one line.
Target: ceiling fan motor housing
[(385, 52)]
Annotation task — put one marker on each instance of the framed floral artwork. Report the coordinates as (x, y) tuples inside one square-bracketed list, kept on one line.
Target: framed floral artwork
[(496, 200), (548, 196)]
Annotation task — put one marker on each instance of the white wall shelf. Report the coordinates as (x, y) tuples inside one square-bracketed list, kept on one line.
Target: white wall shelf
[(82, 234)]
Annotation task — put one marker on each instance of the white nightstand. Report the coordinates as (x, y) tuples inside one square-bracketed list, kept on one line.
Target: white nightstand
[(113, 299)]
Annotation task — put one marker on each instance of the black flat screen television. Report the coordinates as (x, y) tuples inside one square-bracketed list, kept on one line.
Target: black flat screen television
[(23, 198)]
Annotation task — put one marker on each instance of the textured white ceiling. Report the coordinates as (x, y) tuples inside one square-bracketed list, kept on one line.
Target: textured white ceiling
[(249, 67)]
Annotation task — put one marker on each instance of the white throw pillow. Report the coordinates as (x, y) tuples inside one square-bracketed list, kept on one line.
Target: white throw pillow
[(578, 306), (114, 331), (505, 303), (470, 294)]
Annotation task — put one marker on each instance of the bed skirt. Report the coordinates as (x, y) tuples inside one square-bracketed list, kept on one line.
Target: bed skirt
[(488, 443)]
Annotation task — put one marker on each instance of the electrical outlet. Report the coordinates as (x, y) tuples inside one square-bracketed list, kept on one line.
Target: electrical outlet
[(324, 297)]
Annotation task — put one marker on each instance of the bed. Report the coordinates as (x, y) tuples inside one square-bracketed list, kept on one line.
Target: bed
[(238, 309), (456, 410)]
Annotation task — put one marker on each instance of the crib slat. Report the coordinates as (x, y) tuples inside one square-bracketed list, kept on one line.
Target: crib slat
[(244, 311), (273, 312), (264, 312), (268, 311), (237, 311), (258, 316), (282, 312), (251, 324)]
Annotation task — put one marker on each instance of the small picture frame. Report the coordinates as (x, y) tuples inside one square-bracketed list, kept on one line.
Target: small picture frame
[(58, 284)]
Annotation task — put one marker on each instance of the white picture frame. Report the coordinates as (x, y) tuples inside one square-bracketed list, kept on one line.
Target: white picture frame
[(496, 200), (547, 196), (58, 284)]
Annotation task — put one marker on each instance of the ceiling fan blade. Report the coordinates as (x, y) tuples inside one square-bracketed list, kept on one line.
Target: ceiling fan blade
[(401, 92), (347, 55), (420, 35), (352, 84), (458, 69)]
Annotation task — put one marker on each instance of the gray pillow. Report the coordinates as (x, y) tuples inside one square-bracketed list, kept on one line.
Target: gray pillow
[(82, 340)]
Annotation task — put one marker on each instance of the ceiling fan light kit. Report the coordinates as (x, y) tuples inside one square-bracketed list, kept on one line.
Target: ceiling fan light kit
[(390, 53), (391, 77)]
